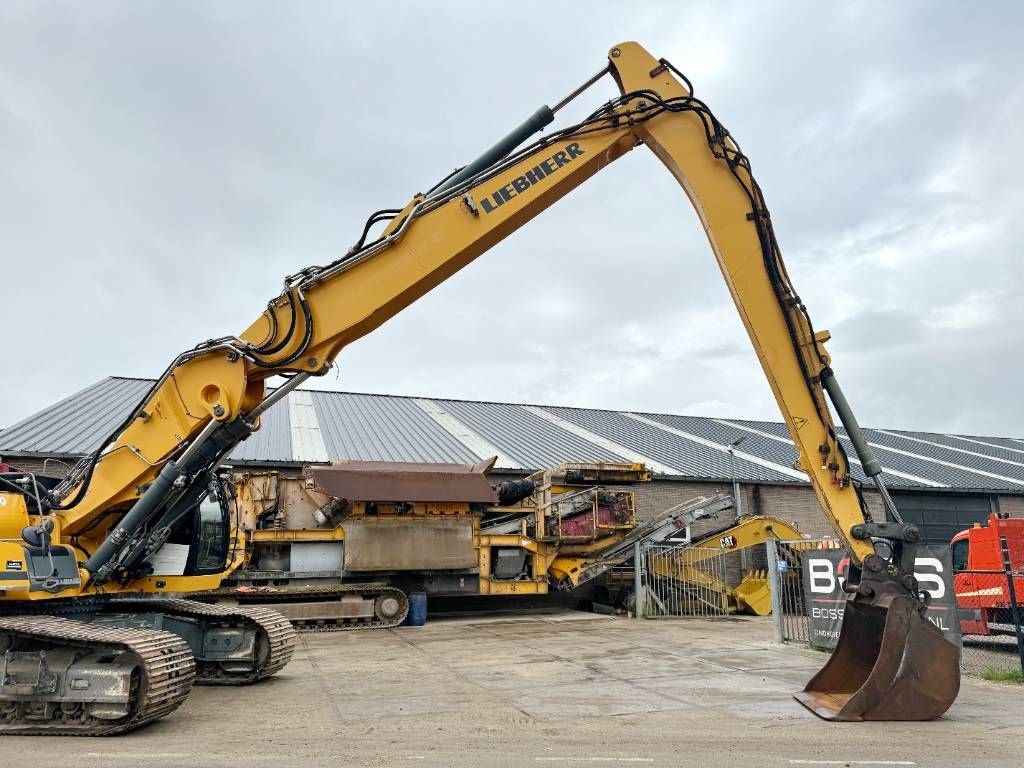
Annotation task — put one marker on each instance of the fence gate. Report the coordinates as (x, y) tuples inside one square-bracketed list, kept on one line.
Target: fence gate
[(679, 580), (786, 573), (982, 610)]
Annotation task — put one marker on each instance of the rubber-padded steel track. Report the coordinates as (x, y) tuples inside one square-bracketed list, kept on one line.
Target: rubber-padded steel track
[(268, 596), (277, 632), (167, 671)]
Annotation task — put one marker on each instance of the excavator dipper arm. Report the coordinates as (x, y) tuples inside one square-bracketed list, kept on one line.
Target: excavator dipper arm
[(211, 397)]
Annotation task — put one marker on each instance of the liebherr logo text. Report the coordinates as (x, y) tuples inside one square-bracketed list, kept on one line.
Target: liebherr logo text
[(533, 176)]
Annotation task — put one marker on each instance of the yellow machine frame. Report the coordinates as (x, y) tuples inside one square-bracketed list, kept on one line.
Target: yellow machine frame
[(552, 556), (213, 396)]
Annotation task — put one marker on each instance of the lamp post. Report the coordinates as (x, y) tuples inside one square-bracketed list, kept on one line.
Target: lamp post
[(744, 564), (731, 450)]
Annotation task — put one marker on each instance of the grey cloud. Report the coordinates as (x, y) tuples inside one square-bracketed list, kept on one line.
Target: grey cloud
[(892, 329), (163, 165)]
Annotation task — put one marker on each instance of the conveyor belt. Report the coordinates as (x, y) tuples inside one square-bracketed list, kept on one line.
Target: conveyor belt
[(659, 528)]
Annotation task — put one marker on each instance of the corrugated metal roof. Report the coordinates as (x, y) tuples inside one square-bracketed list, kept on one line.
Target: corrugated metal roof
[(76, 424), (994, 446), (690, 458), (775, 451), (273, 441), (374, 428), (529, 439), (390, 428)]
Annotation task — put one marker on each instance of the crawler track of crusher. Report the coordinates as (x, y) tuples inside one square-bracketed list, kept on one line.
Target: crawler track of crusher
[(324, 608), (275, 639), (149, 673)]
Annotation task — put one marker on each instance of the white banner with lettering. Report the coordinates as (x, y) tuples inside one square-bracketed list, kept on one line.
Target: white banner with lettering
[(824, 576)]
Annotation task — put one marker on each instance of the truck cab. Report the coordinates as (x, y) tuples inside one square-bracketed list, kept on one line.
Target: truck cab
[(979, 580)]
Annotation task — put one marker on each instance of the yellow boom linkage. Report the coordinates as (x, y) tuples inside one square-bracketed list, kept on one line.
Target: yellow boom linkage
[(687, 565), (890, 664)]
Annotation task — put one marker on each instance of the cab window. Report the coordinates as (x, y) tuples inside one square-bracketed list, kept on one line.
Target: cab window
[(959, 550), (211, 533)]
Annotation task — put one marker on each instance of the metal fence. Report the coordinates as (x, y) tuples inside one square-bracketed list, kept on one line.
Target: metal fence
[(991, 612), (786, 576), (678, 580), (989, 605)]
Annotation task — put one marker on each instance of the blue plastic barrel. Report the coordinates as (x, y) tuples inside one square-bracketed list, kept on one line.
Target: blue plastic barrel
[(417, 609)]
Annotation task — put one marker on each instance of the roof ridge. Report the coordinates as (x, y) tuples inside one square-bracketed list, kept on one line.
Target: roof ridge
[(392, 395), (511, 403)]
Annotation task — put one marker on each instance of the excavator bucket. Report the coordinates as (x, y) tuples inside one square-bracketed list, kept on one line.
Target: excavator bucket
[(753, 594), (890, 663)]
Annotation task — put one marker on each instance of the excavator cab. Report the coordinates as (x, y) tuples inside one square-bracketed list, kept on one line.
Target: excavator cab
[(197, 541)]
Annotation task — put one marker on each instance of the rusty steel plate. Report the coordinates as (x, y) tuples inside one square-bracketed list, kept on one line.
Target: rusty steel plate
[(394, 481), (408, 544)]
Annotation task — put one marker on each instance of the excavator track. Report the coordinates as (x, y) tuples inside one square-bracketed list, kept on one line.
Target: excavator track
[(326, 596), (161, 681), (275, 643)]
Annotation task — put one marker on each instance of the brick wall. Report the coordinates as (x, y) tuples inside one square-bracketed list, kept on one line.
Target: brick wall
[(39, 466), (657, 496), (1012, 504), (795, 504), (799, 505)]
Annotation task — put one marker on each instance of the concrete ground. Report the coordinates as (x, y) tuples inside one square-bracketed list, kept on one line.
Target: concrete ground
[(545, 687)]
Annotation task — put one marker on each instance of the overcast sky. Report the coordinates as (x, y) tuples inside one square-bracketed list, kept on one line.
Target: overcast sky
[(163, 165)]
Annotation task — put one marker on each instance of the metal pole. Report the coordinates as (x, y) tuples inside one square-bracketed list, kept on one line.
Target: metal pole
[(775, 585), (737, 500), (1014, 608), (580, 90), (191, 448), (638, 581), (735, 483), (276, 395), (731, 449)]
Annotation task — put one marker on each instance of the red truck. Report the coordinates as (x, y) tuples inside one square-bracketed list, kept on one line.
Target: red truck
[(983, 598)]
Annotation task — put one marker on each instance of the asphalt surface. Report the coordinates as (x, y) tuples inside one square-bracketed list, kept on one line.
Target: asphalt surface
[(543, 688)]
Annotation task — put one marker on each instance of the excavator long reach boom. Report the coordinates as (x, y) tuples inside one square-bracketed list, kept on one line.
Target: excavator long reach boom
[(118, 507)]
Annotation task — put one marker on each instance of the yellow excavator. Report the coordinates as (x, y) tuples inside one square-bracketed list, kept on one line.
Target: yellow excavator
[(92, 642), (687, 566)]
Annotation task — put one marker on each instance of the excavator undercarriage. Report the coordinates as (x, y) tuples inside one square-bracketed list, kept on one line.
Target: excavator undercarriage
[(63, 677), (101, 666)]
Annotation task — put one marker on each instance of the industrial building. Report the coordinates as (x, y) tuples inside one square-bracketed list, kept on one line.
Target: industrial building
[(944, 482)]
